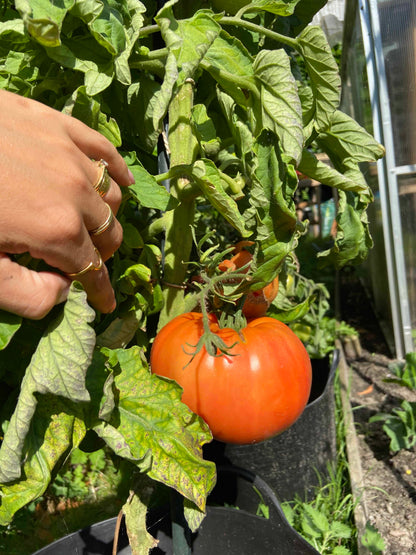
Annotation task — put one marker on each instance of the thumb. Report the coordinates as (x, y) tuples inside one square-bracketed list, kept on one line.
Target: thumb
[(28, 293)]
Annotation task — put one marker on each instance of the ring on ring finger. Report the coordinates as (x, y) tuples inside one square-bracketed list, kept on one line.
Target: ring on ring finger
[(103, 183), (105, 225), (91, 267)]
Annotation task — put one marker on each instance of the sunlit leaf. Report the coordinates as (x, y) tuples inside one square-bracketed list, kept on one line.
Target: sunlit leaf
[(323, 72), (157, 432), (57, 426), (9, 324), (280, 104), (211, 184), (44, 19), (58, 367)]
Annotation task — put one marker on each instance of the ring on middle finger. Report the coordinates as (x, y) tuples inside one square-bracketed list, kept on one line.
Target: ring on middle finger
[(104, 181), (105, 225)]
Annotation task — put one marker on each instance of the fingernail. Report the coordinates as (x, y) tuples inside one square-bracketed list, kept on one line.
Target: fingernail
[(131, 176)]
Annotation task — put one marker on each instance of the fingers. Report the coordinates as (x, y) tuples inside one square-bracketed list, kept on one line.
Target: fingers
[(97, 147), (27, 293), (71, 248), (54, 211), (108, 235), (94, 277)]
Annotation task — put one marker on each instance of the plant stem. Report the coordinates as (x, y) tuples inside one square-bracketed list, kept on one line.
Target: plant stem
[(236, 21), (149, 30), (178, 236)]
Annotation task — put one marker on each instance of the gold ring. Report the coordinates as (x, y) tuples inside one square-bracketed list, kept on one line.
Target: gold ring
[(91, 267), (105, 225), (103, 183)]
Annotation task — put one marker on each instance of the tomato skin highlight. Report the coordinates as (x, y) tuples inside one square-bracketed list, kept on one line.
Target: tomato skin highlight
[(253, 393)]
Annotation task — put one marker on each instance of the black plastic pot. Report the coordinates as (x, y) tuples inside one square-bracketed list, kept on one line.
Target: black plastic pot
[(294, 462), (224, 531)]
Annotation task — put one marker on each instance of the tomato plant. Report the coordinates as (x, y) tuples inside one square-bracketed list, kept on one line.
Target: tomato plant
[(255, 391), (214, 119), (258, 301)]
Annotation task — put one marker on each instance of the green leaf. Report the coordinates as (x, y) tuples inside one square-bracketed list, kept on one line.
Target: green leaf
[(155, 431), (353, 239), (56, 428), (85, 55), (323, 72), (327, 175), (373, 540), (188, 39), (58, 367), (43, 19), (278, 7), (304, 12), (9, 324), (231, 65), (163, 96), (120, 332), (204, 129), (12, 33), (194, 516), (147, 190), (209, 180), (314, 523), (280, 104), (340, 530), (88, 110), (404, 373), (340, 550), (108, 30), (135, 511), (345, 140), (271, 200), (284, 310), (242, 136), (289, 513)]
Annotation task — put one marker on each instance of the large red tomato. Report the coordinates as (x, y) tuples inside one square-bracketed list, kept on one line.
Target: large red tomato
[(252, 393)]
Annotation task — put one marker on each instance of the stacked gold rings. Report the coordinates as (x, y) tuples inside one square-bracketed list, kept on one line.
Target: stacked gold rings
[(105, 225), (103, 183), (90, 267)]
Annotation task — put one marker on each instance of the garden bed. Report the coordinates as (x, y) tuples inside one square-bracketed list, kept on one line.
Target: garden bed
[(386, 488)]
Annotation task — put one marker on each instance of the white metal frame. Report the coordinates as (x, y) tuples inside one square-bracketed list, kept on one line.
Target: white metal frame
[(387, 176)]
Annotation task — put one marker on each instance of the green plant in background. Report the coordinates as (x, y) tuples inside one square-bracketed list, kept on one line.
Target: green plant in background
[(404, 372), (399, 425), (324, 535), (372, 540), (241, 124), (327, 520)]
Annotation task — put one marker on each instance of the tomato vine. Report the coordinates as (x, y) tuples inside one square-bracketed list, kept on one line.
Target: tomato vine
[(223, 93)]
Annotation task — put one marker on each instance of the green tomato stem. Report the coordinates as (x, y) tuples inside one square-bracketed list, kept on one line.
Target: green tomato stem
[(236, 21), (178, 236)]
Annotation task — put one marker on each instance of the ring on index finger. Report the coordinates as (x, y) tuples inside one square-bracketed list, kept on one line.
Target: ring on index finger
[(103, 182), (91, 267)]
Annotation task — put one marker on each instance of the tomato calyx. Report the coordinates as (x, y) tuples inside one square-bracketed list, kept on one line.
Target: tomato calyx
[(213, 343)]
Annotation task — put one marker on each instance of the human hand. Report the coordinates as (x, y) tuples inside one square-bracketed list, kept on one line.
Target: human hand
[(49, 206)]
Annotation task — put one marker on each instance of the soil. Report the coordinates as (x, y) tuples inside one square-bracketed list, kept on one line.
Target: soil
[(389, 478)]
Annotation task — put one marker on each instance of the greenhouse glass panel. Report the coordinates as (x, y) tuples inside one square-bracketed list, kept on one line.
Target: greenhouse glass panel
[(356, 102), (398, 37), (379, 90), (407, 199)]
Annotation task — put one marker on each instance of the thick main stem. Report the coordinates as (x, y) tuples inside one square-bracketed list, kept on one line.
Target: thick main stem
[(178, 236)]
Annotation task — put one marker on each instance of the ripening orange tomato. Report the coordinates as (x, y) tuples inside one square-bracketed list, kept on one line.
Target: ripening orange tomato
[(257, 302)]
